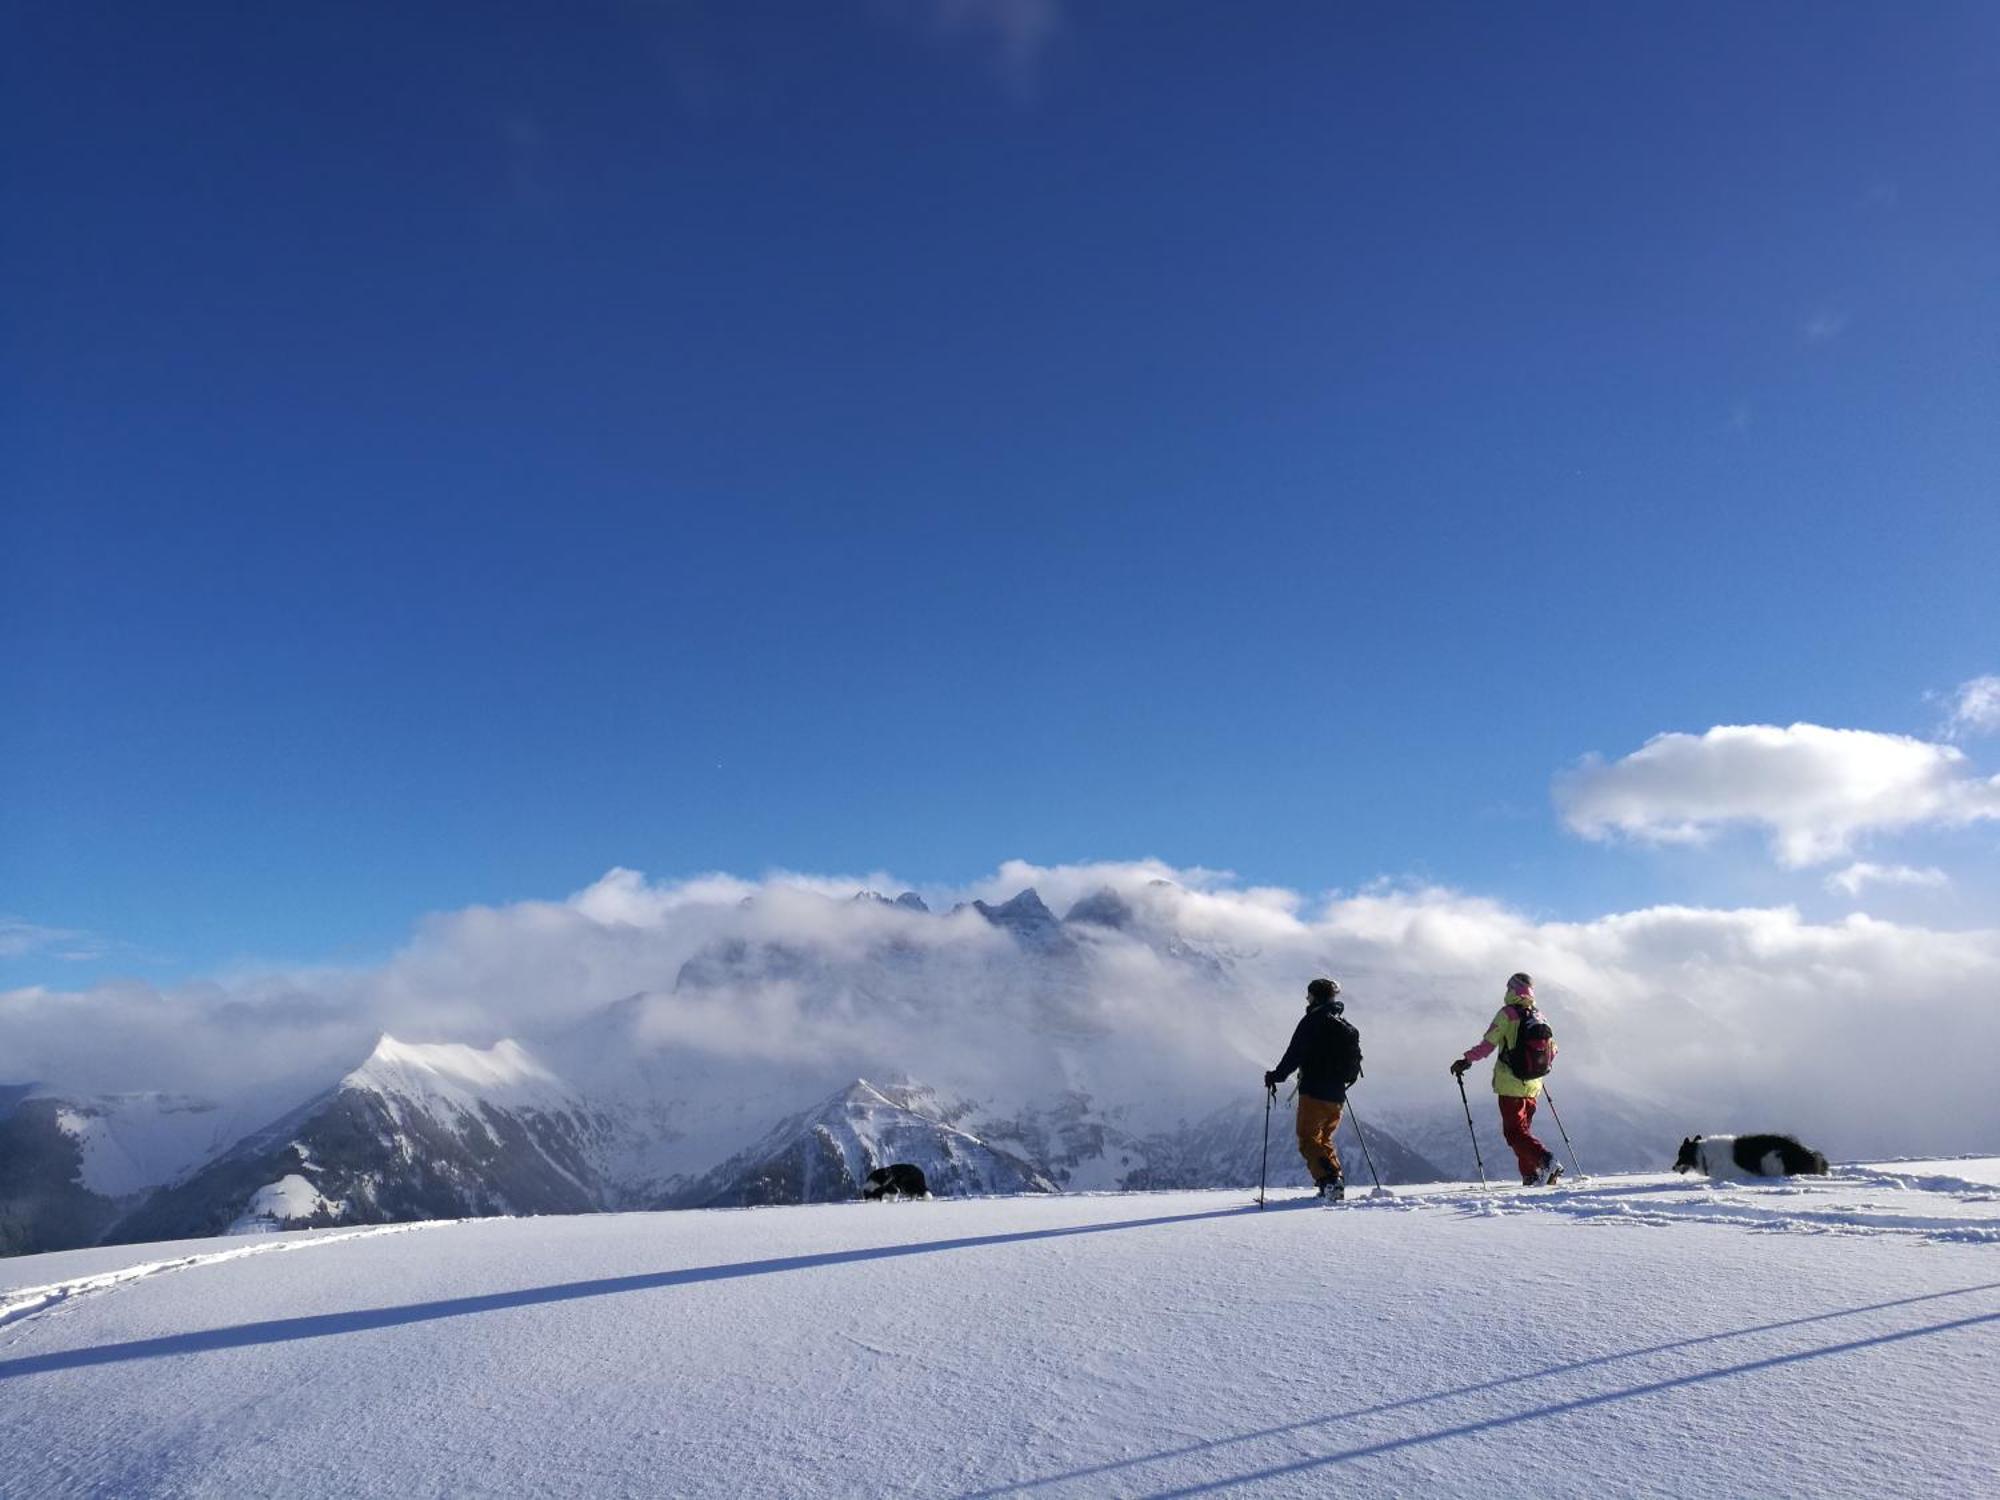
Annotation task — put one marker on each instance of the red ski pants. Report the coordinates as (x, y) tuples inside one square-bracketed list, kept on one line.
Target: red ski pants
[(1318, 1120), (1515, 1117)]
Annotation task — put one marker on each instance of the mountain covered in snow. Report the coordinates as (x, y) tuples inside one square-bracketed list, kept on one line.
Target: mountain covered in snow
[(72, 1165), (826, 1153), (416, 1132)]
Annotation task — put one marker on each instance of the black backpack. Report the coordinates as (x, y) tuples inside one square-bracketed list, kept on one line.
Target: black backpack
[(1346, 1049), (1534, 1049)]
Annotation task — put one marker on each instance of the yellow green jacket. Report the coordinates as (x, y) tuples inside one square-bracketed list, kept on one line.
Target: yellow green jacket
[(1501, 1035)]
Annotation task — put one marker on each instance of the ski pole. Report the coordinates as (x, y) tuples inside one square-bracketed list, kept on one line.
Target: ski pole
[(1270, 1093), (1367, 1155), (1473, 1133), (1565, 1134)]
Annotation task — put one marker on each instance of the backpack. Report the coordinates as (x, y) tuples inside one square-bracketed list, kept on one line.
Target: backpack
[(1347, 1048), (1534, 1049)]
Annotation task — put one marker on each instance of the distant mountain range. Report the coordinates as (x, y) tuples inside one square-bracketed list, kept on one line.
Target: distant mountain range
[(681, 1098)]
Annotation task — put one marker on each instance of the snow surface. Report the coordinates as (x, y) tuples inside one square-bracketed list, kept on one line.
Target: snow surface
[(1631, 1336)]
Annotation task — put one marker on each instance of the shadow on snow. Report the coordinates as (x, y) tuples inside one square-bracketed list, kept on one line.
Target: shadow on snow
[(327, 1325), (1213, 1445)]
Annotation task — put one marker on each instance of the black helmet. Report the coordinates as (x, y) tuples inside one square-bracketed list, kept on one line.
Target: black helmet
[(1322, 989)]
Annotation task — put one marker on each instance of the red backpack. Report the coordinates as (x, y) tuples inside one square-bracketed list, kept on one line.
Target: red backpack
[(1534, 1049)]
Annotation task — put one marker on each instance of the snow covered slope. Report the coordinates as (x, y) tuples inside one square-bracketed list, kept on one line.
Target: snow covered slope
[(131, 1142), (71, 1164), (1636, 1336), (415, 1132), (826, 1154)]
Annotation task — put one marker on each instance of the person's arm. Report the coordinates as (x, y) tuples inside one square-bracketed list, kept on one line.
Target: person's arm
[(1291, 1059), (1496, 1035)]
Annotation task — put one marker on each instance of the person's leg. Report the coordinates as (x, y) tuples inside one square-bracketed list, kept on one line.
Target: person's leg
[(1318, 1120), (1527, 1128), (1514, 1117), (1329, 1126)]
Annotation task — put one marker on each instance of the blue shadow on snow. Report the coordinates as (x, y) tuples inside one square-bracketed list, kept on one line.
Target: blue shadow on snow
[(1211, 1445), (327, 1325)]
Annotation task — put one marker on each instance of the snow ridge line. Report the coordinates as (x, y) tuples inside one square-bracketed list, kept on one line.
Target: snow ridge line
[(25, 1302)]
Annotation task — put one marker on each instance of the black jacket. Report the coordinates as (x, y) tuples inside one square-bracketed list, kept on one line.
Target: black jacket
[(1326, 1050)]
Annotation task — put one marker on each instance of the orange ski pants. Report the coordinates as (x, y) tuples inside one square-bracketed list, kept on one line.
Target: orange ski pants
[(1318, 1120)]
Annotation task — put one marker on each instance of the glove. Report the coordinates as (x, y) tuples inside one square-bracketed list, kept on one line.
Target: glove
[(1458, 1068), (1271, 1079)]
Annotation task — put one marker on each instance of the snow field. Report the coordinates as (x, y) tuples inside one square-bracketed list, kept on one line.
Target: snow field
[(1638, 1336), (21, 1301)]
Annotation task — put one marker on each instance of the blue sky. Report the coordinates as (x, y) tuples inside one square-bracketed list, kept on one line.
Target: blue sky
[(448, 455)]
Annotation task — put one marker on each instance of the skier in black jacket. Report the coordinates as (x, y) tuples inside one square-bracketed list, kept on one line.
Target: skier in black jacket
[(1326, 1050)]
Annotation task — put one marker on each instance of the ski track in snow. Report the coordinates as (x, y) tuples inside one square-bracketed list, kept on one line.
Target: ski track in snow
[(1852, 1200), (20, 1303)]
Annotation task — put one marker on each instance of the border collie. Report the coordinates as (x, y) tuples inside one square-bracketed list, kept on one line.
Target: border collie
[(899, 1178), (1743, 1156)]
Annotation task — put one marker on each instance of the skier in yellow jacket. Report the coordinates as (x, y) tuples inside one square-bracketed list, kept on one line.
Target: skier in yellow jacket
[(1517, 1095)]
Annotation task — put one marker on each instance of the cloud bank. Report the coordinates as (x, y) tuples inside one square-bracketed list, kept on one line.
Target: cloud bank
[(1749, 1018), (1814, 790)]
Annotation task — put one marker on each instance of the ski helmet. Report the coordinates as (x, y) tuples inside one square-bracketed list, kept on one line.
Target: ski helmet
[(1322, 989), (1521, 985)]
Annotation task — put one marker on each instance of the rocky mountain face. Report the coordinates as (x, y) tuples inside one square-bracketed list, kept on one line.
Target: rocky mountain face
[(73, 1165), (44, 1204)]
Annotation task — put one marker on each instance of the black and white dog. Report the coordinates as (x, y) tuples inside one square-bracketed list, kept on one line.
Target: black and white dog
[(900, 1178), (1738, 1157)]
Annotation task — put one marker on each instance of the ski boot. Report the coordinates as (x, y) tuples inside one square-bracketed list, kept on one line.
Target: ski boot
[(1333, 1190), (1554, 1174)]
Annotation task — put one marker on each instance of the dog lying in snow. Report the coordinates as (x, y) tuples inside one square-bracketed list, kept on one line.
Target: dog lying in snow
[(900, 1178), (1744, 1156)]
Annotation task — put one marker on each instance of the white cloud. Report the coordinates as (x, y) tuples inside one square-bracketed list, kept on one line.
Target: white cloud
[(1975, 709), (1824, 326), (19, 938), (1851, 880), (1743, 1018), (1813, 789)]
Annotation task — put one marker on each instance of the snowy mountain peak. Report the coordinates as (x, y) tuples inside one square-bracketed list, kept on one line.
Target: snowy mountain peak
[(1025, 913), (418, 1131), (909, 900), (1102, 908), (428, 1069), (826, 1153)]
